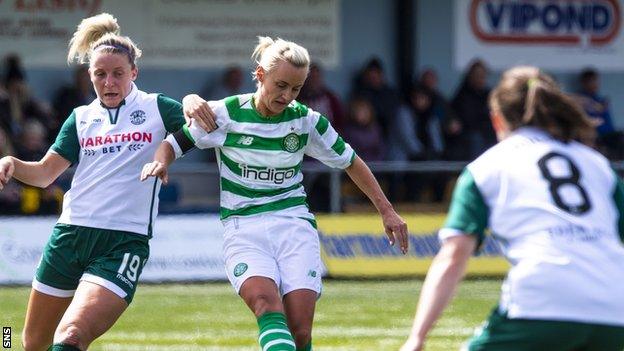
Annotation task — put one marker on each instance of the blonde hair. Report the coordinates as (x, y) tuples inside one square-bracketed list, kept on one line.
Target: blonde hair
[(525, 96), (101, 33), (269, 52)]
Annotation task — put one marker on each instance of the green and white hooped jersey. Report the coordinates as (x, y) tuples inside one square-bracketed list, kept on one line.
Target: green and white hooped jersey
[(260, 158), (110, 147), (556, 210)]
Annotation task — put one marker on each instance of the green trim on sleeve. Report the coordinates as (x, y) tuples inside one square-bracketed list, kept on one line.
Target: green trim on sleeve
[(66, 143), (618, 197), (352, 158), (171, 113), (322, 125), (339, 146), (468, 211), (187, 132)]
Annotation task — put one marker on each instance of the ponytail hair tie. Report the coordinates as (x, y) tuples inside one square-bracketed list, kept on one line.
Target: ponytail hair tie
[(532, 82)]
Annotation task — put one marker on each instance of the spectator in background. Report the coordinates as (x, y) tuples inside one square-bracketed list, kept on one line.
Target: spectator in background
[(363, 132), (21, 104), (371, 84), (231, 83), (610, 141), (440, 105), (417, 135), (71, 96), (10, 196), (471, 133), (316, 95), (32, 144)]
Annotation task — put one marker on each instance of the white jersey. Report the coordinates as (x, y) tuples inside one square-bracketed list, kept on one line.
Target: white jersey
[(556, 210), (110, 147), (260, 158)]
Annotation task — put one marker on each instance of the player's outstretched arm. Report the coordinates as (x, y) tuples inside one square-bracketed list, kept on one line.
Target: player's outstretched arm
[(163, 157), (445, 272), (40, 173), (395, 226)]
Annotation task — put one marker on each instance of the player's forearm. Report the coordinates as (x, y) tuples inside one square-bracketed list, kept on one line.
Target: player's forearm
[(165, 154), (365, 180), (39, 173), (445, 273)]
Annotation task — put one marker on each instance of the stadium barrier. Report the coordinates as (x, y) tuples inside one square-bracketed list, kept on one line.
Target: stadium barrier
[(188, 248), (356, 246), (184, 248)]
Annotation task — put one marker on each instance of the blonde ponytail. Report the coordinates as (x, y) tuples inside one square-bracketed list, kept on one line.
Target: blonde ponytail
[(100, 31)]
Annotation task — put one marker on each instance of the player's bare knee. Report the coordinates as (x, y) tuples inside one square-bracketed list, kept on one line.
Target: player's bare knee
[(263, 303)]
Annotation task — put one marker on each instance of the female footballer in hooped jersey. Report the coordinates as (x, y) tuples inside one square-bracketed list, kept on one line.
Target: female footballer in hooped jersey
[(91, 265), (556, 208), (271, 246)]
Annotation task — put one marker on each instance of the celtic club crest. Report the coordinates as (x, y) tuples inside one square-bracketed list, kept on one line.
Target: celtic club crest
[(291, 143)]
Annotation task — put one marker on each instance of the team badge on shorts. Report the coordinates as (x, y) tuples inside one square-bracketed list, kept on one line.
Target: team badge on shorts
[(240, 269), (291, 143), (137, 117)]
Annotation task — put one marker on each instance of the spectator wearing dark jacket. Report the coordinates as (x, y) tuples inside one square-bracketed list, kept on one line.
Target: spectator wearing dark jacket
[(472, 132)]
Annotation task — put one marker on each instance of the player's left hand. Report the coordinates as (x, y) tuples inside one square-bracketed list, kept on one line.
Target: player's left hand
[(396, 229)]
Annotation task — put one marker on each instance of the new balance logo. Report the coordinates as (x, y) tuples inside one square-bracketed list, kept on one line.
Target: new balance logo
[(245, 140)]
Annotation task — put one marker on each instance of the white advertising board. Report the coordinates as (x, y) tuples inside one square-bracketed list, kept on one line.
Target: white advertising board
[(184, 248), (560, 35)]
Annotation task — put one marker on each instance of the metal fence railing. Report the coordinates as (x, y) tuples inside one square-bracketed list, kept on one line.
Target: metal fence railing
[(210, 171)]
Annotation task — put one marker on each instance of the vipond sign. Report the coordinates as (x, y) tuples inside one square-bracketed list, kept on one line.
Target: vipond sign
[(564, 34)]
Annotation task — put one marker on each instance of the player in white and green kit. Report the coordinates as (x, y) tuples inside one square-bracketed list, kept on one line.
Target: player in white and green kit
[(91, 264), (271, 246), (557, 210)]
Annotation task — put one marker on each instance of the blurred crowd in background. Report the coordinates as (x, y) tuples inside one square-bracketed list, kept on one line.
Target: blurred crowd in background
[(377, 119)]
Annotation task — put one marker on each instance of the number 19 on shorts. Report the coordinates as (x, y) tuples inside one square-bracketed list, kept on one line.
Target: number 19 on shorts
[(130, 266)]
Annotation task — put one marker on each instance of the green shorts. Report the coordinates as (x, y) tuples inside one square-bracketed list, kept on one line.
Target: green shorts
[(111, 258), (500, 333)]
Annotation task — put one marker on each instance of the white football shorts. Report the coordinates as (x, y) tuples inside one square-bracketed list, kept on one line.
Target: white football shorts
[(284, 249)]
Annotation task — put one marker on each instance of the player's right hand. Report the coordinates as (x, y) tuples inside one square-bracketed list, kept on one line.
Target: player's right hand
[(196, 108), (155, 169), (6, 170)]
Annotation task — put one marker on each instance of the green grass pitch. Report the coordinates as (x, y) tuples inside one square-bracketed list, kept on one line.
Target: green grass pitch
[(351, 315)]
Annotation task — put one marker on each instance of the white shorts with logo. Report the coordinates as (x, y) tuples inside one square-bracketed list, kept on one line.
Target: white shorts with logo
[(284, 249)]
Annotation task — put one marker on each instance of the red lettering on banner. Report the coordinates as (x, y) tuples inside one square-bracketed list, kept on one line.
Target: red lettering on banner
[(545, 22), (91, 7)]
